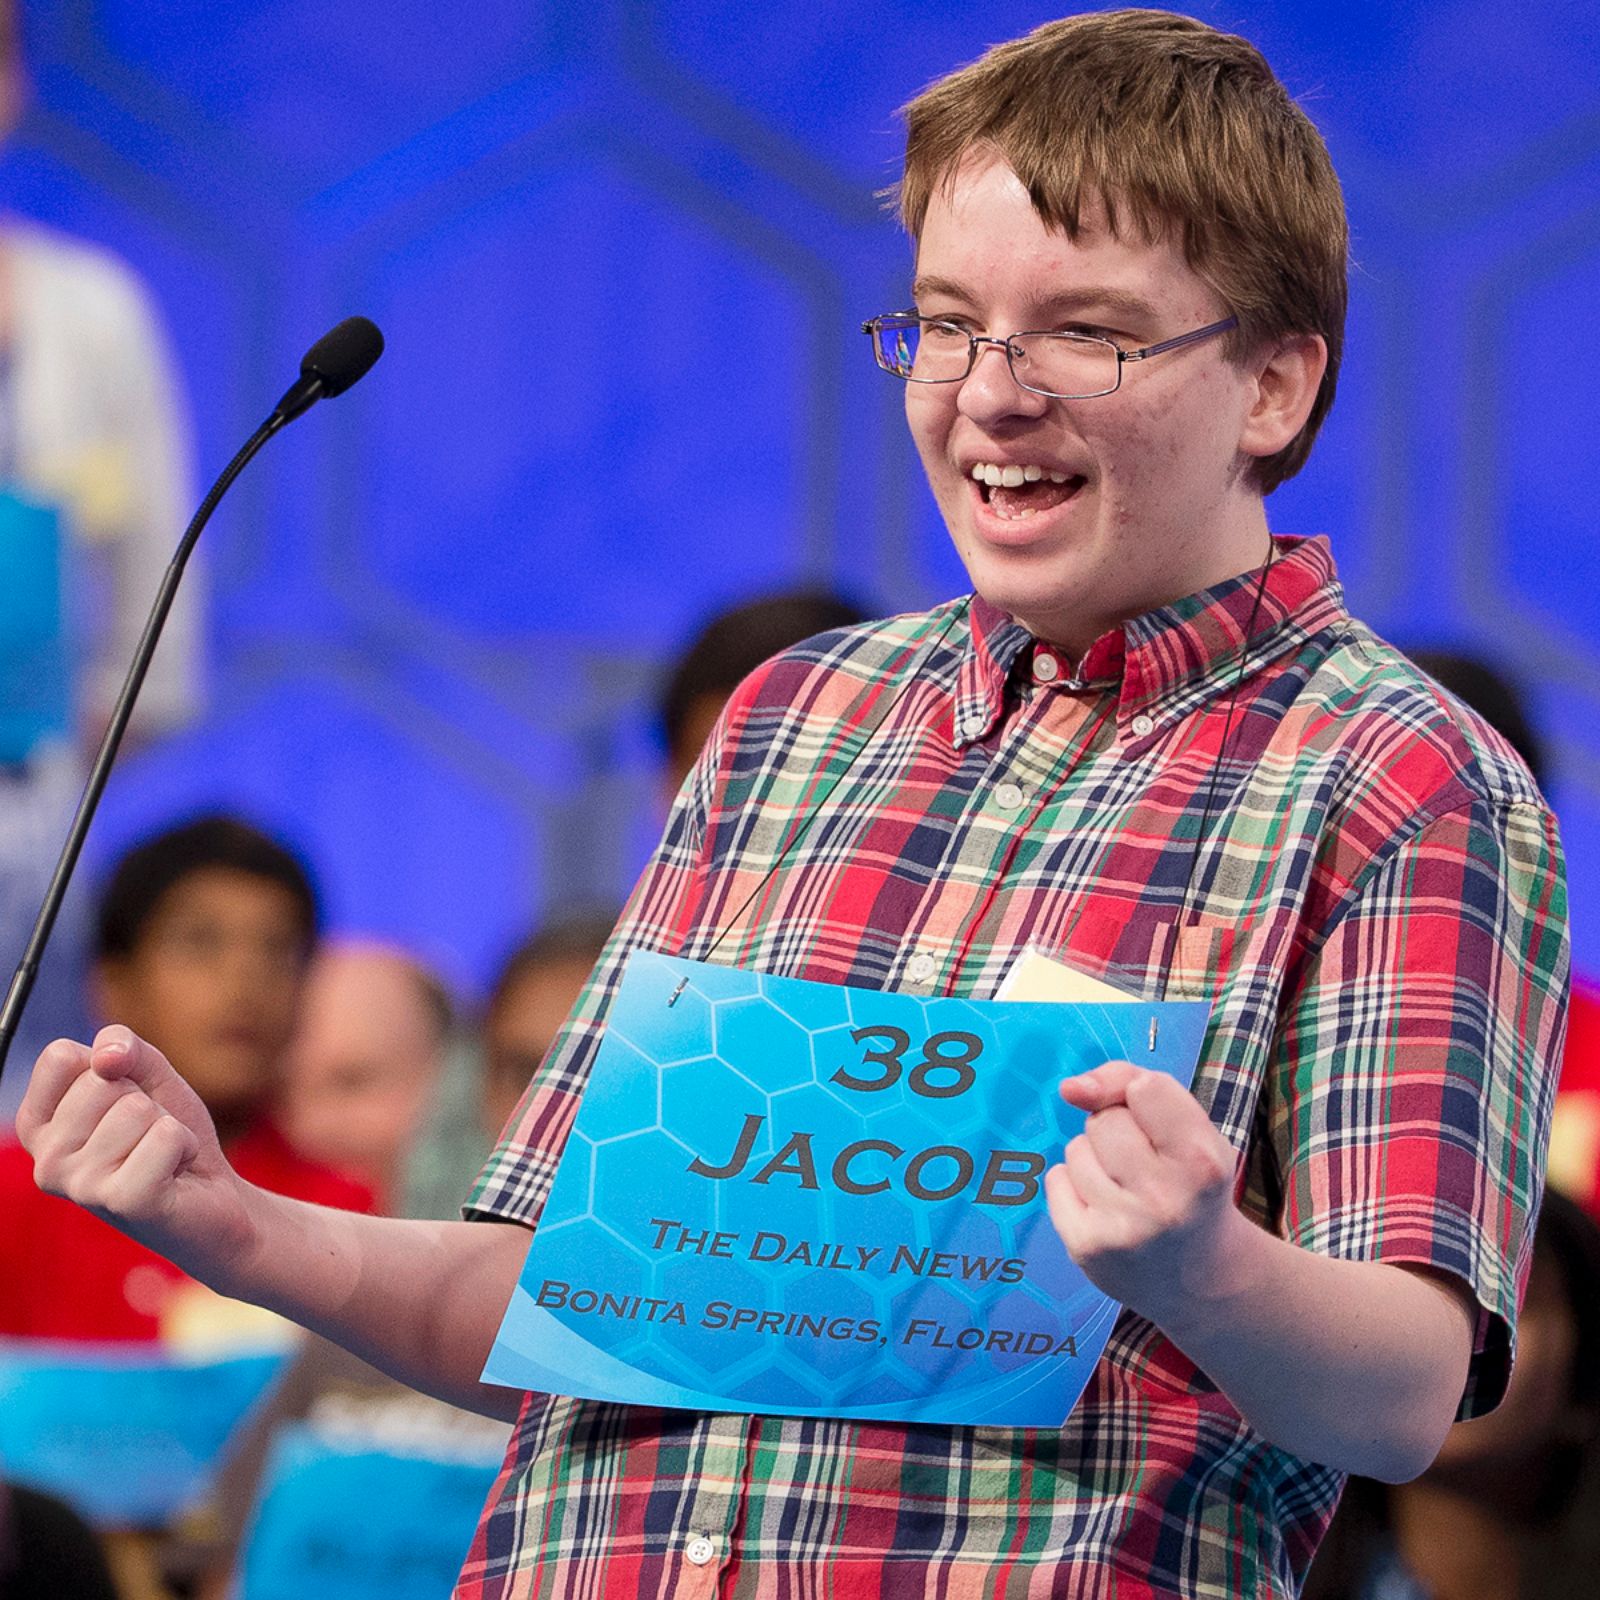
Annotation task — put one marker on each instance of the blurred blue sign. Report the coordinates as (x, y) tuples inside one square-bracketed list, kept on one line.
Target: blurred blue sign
[(360, 1521), (128, 1437), (35, 673)]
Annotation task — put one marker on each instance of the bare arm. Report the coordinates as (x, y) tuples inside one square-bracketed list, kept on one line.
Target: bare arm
[(420, 1300), (119, 1132), (1357, 1365)]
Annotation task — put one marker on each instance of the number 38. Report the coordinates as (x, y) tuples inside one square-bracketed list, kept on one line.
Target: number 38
[(953, 1053)]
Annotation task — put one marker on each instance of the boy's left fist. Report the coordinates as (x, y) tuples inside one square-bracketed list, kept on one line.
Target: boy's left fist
[(1144, 1198)]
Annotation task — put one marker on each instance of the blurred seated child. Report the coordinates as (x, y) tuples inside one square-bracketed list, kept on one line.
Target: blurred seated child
[(365, 1063), (1511, 1508), (47, 1551), (202, 942), (726, 650), (538, 985)]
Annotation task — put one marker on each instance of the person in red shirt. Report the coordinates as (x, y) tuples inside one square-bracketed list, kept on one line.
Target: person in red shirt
[(204, 934), (1575, 1138)]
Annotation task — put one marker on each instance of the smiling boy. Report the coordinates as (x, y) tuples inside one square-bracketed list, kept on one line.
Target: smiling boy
[(1153, 742)]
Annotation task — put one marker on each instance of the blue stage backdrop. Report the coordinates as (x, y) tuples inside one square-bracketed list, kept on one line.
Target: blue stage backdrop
[(620, 251)]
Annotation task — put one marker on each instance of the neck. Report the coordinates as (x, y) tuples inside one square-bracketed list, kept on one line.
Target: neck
[(1456, 1547), (1075, 636), (232, 1121)]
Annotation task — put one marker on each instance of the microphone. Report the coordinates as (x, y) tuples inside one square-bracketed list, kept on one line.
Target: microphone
[(342, 356)]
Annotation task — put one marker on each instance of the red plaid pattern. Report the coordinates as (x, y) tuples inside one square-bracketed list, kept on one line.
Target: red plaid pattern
[(1375, 910)]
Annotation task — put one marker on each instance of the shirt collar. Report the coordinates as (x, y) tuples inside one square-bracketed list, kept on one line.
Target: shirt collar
[(1164, 662)]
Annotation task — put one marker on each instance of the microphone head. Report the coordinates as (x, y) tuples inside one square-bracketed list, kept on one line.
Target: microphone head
[(343, 355)]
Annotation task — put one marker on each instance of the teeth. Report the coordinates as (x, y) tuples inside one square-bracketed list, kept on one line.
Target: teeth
[(986, 472)]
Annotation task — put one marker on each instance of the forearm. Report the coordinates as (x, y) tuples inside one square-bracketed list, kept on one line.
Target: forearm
[(115, 1129), (420, 1300), (1357, 1365)]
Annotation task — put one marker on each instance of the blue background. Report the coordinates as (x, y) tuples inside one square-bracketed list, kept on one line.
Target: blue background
[(620, 251)]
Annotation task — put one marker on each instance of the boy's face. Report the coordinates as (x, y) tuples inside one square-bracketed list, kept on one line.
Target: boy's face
[(214, 983), (1155, 505), (363, 1064)]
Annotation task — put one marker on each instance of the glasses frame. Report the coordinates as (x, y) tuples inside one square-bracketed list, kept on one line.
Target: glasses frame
[(873, 326)]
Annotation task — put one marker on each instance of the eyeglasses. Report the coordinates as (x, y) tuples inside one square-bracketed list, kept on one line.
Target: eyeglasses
[(1065, 366)]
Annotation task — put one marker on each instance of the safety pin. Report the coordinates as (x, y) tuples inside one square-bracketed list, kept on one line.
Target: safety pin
[(683, 983), (1155, 1029)]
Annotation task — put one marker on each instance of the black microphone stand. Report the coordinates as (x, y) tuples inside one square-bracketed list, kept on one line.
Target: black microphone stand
[(338, 359)]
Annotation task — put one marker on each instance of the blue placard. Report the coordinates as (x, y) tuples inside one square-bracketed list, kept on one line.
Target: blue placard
[(362, 1522), (805, 1199), (35, 669), (128, 1437)]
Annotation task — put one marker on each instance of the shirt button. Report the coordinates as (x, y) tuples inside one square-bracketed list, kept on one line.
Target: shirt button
[(921, 967), (1045, 666), (1143, 725), (700, 1550), (1008, 797)]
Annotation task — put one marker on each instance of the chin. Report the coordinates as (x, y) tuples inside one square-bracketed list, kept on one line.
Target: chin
[(1034, 600)]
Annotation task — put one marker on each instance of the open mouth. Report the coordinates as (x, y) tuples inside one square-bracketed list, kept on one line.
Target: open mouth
[(1014, 492)]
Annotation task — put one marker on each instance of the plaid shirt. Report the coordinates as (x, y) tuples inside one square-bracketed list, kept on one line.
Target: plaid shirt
[(1373, 903)]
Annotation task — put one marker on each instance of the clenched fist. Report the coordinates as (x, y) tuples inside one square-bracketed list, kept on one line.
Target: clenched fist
[(114, 1128), (1144, 1199)]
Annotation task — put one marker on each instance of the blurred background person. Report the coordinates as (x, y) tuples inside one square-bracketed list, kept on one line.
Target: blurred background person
[(366, 1063), (204, 935), (726, 650), (1510, 1510), (534, 993), (95, 487)]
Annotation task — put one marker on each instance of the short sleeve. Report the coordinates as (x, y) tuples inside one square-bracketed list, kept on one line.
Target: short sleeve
[(1416, 1072)]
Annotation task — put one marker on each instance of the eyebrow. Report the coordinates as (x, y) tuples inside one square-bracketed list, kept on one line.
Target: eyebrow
[(1119, 302)]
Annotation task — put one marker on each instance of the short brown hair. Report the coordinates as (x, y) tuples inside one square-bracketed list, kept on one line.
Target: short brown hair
[(1170, 124)]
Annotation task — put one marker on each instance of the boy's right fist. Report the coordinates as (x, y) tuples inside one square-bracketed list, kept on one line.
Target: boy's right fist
[(115, 1129)]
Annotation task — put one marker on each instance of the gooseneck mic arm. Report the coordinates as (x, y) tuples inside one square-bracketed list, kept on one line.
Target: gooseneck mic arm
[(337, 360)]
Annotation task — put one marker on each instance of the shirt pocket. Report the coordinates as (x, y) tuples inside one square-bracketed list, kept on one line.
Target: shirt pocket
[(1228, 966)]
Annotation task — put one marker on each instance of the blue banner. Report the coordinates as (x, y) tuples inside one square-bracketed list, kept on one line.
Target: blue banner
[(35, 669), (128, 1437), (360, 1521), (805, 1199)]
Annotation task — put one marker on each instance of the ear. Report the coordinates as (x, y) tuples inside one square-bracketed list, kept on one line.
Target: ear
[(1288, 376)]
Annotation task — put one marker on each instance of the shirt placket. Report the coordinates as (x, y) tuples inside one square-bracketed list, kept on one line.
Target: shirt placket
[(1028, 764), (710, 1515)]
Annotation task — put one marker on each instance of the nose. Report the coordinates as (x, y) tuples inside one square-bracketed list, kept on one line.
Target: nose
[(991, 392)]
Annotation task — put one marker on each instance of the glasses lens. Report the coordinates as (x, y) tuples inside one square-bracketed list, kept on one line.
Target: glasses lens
[(894, 343), (1065, 364), (923, 352)]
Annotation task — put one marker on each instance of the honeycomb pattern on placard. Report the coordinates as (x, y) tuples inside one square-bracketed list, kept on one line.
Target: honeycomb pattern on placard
[(704, 1174)]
